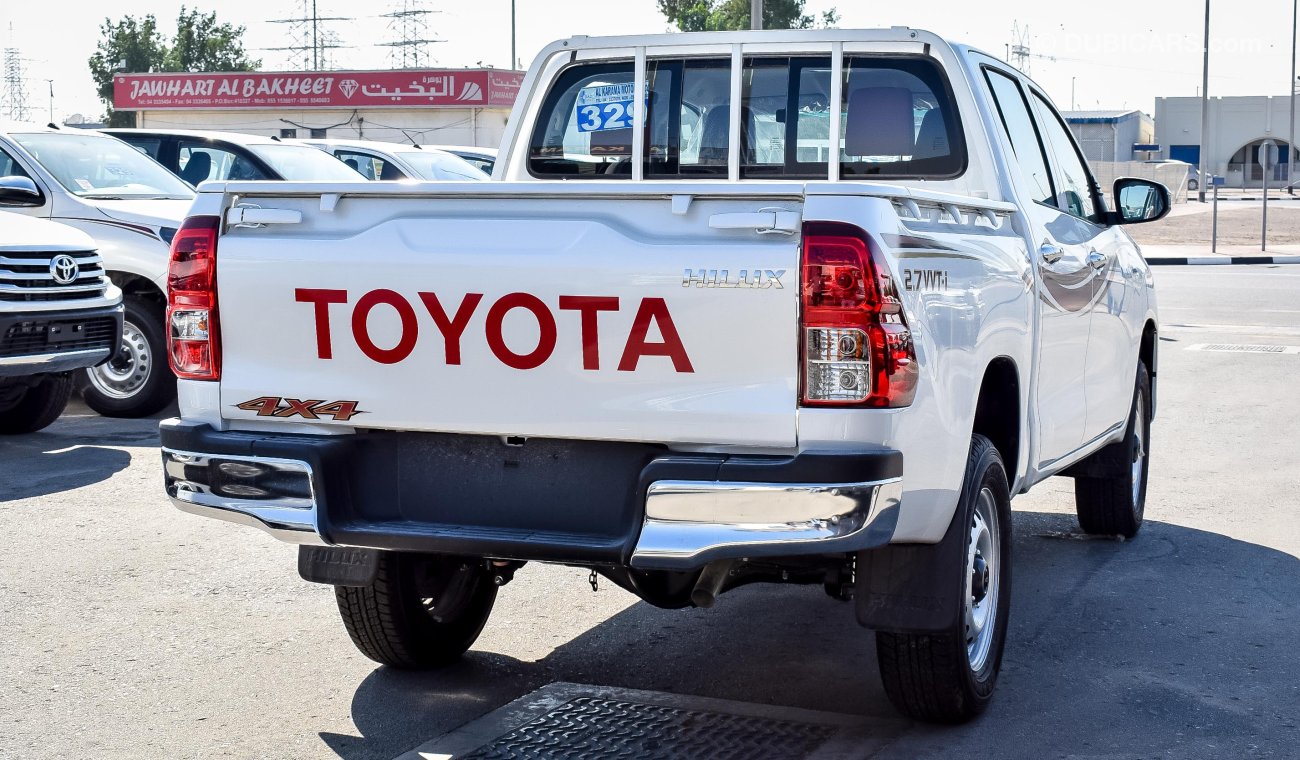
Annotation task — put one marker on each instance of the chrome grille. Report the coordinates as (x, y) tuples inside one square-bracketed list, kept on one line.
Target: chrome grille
[(25, 276)]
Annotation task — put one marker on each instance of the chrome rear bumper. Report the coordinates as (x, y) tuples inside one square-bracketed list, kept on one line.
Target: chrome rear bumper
[(682, 512), (276, 495), (693, 522)]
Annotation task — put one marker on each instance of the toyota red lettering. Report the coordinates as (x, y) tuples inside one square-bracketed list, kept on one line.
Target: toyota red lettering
[(651, 314)]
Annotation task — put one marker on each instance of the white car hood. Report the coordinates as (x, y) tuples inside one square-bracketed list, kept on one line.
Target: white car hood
[(27, 233), (151, 213)]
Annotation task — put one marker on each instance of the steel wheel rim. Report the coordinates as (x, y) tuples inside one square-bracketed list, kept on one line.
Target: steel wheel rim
[(983, 568), (1139, 448), (123, 375)]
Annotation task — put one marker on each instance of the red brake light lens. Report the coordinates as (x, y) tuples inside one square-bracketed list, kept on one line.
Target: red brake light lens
[(857, 347), (194, 346)]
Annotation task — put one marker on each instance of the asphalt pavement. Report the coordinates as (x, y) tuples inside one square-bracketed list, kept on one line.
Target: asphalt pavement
[(131, 630)]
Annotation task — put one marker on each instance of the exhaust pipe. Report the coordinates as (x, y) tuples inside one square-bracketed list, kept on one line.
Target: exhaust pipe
[(709, 584)]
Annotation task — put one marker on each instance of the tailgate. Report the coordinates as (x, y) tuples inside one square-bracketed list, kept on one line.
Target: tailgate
[(585, 313)]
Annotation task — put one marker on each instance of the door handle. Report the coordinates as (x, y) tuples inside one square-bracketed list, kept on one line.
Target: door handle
[(252, 215), (767, 221), (1097, 259), (1051, 253)]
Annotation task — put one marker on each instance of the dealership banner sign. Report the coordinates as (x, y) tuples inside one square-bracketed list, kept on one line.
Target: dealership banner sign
[(409, 88)]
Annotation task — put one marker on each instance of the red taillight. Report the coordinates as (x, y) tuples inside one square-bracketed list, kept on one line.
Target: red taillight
[(857, 349), (193, 342)]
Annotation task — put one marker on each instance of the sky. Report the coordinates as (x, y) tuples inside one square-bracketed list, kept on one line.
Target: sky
[(1099, 54)]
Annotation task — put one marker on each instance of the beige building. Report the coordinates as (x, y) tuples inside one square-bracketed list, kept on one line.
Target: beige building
[(1238, 126)]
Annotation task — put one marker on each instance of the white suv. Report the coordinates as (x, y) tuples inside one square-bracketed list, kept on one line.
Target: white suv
[(131, 207)]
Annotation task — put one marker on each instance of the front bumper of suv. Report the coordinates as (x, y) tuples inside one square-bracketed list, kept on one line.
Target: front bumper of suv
[(584, 502), (38, 342)]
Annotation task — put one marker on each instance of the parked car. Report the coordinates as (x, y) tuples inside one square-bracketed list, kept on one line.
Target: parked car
[(59, 314), (482, 158), (625, 357), (1193, 173), (198, 156), (131, 207), (394, 161)]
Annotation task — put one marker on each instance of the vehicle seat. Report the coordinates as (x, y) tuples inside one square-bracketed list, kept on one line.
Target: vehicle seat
[(352, 164), (932, 138), (197, 168), (717, 129), (713, 136)]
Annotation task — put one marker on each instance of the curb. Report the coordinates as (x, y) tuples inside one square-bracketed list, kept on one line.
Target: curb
[(1222, 260)]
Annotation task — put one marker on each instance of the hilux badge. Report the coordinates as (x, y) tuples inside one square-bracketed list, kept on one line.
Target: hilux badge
[(723, 278)]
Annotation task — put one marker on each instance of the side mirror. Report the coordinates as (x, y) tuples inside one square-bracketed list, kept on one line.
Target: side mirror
[(1139, 200), (19, 191)]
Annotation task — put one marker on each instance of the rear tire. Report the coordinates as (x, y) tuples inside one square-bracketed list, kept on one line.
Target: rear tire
[(421, 612), (38, 406), (1113, 506), (949, 677), (136, 381)]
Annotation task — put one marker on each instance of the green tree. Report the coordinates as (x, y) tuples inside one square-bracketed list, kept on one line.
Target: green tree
[(201, 44), (723, 15), (136, 45)]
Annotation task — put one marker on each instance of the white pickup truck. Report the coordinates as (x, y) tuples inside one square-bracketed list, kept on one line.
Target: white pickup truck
[(801, 307)]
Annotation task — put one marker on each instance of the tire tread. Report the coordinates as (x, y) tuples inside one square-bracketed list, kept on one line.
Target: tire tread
[(923, 674)]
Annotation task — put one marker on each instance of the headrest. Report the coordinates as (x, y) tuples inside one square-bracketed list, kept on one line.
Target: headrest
[(880, 122)]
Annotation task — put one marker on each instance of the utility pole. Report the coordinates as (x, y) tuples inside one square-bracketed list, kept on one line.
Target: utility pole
[(513, 60), (755, 14), (308, 38), (1073, 107), (408, 20), (1290, 140), (1205, 110), (51, 84)]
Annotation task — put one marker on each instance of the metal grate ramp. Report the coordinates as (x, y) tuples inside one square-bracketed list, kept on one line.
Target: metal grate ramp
[(565, 721)]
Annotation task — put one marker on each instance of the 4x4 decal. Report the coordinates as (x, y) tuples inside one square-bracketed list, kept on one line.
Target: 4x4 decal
[(311, 409)]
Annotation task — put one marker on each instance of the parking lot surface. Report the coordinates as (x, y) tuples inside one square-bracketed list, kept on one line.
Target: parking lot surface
[(131, 630)]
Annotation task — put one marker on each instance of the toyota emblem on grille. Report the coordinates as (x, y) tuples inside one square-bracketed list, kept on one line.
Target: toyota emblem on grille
[(64, 269)]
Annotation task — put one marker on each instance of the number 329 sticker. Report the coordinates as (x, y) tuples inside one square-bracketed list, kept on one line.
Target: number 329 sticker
[(606, 106)]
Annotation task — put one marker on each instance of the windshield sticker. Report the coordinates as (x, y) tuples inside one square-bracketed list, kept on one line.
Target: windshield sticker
[(84, 184), (605, 106)]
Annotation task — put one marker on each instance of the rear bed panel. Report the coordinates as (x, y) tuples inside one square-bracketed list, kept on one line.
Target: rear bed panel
[(728, 378)]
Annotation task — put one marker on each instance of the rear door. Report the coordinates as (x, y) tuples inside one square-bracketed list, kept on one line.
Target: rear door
[(1099, 287), (586, 311), (1059, 253)]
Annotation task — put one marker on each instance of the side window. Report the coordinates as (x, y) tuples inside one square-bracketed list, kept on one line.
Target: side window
[(899, 119), (1019, 126), (150, 146), (696, 142), (784, 108), (584, 129), (1073, 182), (202, 161), (369, 166), (9, 167)]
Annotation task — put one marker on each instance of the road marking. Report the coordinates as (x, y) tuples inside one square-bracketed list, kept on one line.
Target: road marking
[(1241, 329), (1244, 348)]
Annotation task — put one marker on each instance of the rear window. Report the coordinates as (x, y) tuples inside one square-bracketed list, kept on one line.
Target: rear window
[(897, 120)]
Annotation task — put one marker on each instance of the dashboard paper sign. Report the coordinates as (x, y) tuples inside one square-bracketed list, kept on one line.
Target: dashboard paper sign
[(604, 107)]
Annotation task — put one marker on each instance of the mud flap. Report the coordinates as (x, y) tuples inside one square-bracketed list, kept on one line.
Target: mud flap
[(338, 565), (913, 588)]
